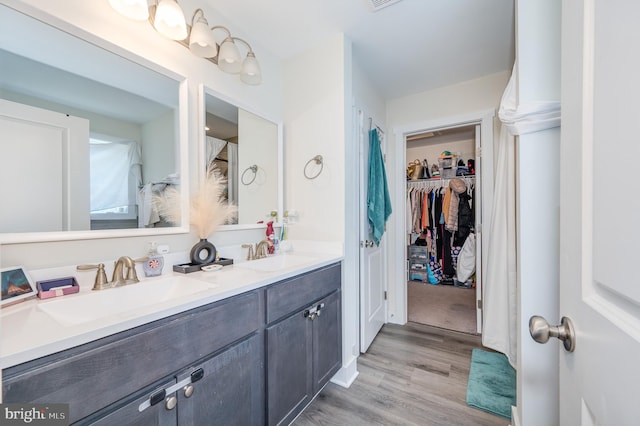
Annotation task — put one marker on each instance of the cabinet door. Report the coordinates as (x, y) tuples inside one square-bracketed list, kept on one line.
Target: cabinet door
[(231, 391), (128, 414), (327, 341), (289, 368)]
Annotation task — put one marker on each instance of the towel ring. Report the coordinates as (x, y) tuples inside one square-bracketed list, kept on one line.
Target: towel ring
[(253, 169), (318, 160)]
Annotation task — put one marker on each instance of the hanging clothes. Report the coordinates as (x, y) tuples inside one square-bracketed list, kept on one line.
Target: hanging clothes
[(378, 200)]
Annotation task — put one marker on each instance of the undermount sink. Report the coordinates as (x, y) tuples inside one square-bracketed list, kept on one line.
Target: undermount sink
[(275, 263), (96, 305)]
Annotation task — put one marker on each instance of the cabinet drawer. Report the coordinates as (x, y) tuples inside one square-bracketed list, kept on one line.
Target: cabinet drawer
[(99, 373), (296, 293)]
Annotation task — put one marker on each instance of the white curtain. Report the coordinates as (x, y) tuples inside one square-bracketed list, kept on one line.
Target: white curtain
[(232, 172), (213, 148), (499, 329), (115, 174)]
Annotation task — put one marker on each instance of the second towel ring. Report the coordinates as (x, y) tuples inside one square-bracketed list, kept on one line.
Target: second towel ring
[(253, 169), (318, 160)]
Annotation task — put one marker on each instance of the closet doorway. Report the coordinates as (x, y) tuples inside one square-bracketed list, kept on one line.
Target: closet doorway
[(450, 303), (440, 291)]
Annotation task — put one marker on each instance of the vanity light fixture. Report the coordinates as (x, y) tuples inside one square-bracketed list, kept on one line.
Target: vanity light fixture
[(229, 56), (168, 19), (201, 41), (250, 72), (138, 10)]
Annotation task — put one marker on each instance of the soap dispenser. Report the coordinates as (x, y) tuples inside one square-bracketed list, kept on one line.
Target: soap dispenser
[(270, 237), (155, 262)]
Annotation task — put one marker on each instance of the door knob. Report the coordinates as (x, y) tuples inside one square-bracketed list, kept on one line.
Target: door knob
[(540, 330)]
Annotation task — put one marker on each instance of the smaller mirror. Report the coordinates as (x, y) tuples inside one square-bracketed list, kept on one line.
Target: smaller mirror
[(247, 149)]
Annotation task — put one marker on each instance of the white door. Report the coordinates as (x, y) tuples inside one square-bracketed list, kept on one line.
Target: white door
[(372, 265), (42, 149), (600, 212)]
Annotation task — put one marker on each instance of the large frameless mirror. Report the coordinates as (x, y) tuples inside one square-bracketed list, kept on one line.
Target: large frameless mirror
[(87, 136), (247, 150)]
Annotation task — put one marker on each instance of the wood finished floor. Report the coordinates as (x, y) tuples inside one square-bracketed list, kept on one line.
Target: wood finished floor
[(412, 375)]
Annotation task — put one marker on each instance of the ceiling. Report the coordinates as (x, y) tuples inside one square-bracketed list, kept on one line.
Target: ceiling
[(408, 47)]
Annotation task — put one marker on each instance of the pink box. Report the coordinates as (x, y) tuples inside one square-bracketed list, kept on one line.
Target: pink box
[(57, 287)]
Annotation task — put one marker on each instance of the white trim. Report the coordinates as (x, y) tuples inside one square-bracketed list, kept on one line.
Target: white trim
[(347, 374), (515, 417), (397, 183)]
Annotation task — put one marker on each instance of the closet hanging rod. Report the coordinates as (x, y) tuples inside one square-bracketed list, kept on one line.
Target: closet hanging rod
[(437, 183)]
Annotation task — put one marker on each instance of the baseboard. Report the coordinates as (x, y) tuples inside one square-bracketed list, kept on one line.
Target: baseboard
[(347, 374), (515, 418)]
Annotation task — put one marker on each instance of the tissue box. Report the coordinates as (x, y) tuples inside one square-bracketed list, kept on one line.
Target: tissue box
[(52, 288)]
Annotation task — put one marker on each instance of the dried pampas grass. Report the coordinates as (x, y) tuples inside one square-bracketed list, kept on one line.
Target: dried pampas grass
[(208, 210)]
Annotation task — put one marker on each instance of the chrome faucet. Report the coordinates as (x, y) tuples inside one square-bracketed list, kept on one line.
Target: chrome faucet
[(119, 278), (261, 249)]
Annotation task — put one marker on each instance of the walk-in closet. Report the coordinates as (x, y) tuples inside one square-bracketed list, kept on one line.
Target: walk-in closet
[(442, 203)]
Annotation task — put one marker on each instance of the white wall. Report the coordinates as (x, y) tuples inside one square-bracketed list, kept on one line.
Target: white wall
[(314, 123), (467, 97), (97, 21), (318, 121)]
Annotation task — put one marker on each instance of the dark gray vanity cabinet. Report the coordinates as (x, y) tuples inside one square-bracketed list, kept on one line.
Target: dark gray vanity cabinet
[(304, 347), (101, 376), (231, 391), (128, 414), (228, 390), (252, 359)]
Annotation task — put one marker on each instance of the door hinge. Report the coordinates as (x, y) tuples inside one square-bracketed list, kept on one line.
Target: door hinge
[(479, 304), (479, 152), (385, 295)]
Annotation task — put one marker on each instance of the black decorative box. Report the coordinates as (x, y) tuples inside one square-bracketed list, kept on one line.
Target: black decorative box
[(187, 268)]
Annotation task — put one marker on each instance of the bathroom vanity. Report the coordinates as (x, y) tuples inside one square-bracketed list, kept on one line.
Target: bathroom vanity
[(253, 358)]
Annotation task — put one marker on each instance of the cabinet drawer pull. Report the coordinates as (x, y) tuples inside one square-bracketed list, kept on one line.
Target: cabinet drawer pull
[(157, 397), (197, 375), (171, 403), (188, 391)]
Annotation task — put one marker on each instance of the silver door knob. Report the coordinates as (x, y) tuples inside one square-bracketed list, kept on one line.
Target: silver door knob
[(171, 403), (540, 330)]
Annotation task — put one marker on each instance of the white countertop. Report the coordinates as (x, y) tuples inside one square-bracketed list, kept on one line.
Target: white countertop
[(28, 332)]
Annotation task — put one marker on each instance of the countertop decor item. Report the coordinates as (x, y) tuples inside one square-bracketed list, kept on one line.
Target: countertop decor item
[(207, 211), (57, 287), (16, 285)]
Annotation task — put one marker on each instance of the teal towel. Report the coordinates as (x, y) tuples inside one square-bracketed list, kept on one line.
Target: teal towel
[(378, 200)]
